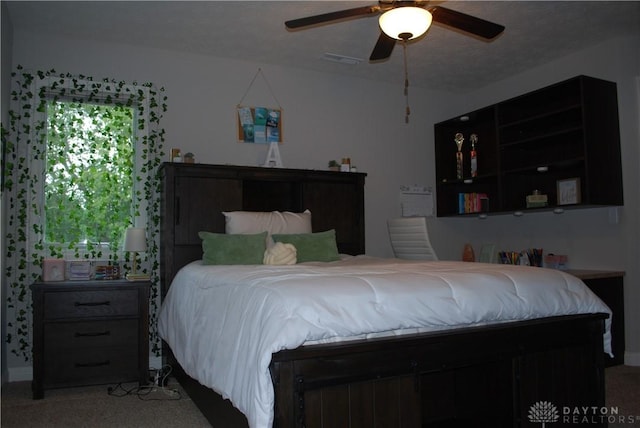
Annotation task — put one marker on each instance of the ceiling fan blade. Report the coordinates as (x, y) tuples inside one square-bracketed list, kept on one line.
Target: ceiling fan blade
[(384, 47), (331, 16), (464, 22)]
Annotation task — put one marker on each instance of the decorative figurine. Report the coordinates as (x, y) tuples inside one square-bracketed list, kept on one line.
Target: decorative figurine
[(467, 253)]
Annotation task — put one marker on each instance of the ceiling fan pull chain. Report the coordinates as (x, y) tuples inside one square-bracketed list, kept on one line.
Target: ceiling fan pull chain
[(406, 82)]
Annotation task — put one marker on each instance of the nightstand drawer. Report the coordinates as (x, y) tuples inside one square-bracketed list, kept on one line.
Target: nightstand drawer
[(90, 303), (62, 336), (92, 365)]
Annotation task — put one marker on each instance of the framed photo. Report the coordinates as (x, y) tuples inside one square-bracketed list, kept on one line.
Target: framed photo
[(568, 191)]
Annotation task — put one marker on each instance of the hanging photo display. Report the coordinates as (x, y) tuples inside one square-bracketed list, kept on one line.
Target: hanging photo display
[(259, 125)]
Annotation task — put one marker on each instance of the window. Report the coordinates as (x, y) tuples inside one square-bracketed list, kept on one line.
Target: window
[(89, 173)]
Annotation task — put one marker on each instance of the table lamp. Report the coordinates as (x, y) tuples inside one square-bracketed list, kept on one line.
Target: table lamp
[(135, 241)]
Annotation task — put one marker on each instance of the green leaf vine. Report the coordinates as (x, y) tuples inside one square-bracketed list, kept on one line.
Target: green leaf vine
[(24, 140)]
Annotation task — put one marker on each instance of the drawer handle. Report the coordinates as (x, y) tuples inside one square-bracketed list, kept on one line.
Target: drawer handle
[(100, 363), (105, 303), (97, 333)]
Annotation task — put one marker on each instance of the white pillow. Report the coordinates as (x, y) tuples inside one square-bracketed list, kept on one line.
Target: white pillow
[(281, 222)]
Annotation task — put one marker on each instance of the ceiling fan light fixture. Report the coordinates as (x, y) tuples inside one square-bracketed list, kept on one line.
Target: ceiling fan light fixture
[(405, 22)]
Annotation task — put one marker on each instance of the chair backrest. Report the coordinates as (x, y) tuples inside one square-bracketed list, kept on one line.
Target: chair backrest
[(410, 238)]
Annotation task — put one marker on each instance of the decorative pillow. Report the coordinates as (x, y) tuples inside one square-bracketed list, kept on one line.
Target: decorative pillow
[(240, 249), (272, 222), (312, 247), (280, 254)]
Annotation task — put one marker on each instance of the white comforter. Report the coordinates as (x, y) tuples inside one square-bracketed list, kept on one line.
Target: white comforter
[(224, 322)]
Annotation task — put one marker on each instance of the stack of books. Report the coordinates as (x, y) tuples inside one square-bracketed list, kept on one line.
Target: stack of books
[(472, 203), (107, 272)]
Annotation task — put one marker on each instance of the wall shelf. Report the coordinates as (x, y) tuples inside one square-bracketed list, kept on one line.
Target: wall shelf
[(527, 143)]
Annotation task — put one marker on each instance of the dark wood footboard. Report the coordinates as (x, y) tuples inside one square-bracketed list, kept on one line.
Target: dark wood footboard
[(490, 376)]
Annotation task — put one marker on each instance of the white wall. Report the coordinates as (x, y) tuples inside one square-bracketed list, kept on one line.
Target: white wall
[(327, 117)]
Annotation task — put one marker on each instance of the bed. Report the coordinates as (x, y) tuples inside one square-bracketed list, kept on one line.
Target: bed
[(401, 360)]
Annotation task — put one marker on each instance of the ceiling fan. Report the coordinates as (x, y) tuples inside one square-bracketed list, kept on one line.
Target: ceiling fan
[(403, 20)]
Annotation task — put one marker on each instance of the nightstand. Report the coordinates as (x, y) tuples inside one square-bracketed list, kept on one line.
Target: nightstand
[(89, 332)]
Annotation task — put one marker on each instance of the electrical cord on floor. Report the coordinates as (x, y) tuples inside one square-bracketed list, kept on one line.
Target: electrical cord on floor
[(144, 392)]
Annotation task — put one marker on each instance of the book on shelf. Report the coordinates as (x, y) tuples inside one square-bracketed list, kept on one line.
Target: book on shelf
[(472, 203)]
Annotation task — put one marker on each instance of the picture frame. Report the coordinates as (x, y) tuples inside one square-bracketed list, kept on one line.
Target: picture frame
[(259, 125), (77, 270), (568, 191)]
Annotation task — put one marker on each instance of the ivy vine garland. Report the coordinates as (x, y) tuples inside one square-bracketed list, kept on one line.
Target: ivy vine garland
[(24, 142)]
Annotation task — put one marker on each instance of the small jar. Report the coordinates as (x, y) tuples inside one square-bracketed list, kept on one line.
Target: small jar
[(346, 165)]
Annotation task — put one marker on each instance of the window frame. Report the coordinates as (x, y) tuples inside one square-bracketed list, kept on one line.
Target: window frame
[(51, 89)]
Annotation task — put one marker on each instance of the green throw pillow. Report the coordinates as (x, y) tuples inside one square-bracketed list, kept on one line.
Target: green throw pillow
[(312, 247), (237, 249)]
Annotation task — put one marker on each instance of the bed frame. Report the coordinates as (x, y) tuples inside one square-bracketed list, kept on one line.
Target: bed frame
[(490, 376)]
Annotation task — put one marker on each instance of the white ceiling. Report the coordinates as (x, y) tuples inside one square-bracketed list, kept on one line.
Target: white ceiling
[(536, 32)]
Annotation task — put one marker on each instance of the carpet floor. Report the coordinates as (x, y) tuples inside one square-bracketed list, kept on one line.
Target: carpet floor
[(96, 407), (623, 393)]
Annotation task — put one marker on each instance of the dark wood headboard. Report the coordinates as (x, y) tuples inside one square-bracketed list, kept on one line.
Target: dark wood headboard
[(195, 195)]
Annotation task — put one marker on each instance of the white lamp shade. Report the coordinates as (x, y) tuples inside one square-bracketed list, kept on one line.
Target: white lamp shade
[(135, 239), (406, 22)]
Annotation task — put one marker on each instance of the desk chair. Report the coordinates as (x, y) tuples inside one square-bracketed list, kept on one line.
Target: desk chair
[(410, 238)]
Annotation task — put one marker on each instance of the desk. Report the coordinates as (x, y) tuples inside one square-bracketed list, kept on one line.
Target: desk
[(608, 286)]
